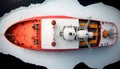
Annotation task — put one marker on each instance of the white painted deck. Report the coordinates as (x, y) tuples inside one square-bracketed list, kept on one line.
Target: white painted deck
[(108, 26), (47, 34)]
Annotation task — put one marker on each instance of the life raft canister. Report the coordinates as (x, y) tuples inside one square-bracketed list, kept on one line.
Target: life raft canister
[(105, 33)]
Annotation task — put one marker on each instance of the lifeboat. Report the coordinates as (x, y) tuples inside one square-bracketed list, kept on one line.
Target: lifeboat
[(61, 33)]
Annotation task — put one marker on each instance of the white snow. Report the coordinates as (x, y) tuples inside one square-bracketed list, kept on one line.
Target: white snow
[(96, 58)]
